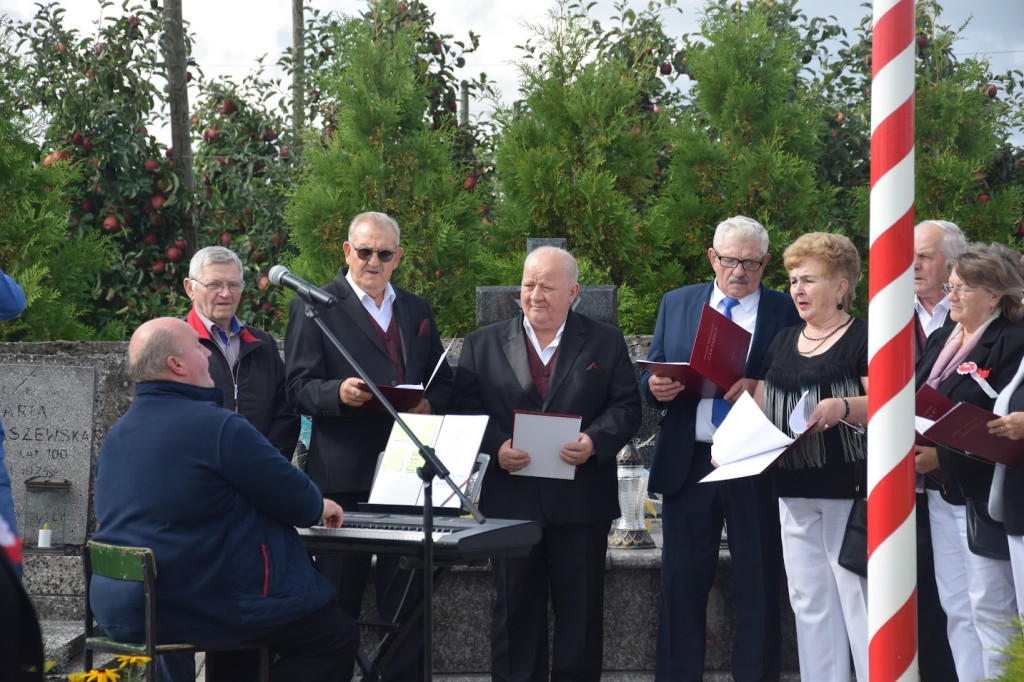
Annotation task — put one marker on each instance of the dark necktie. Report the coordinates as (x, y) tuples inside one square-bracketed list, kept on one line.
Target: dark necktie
[(720, 407)]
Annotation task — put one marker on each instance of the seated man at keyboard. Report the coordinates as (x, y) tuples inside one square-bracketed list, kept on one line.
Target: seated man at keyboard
[(217, 504)]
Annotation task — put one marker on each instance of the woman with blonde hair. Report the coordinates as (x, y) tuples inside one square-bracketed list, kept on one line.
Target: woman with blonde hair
[(823, 361)]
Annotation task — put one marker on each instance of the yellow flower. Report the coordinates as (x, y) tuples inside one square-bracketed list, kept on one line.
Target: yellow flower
[(106, 675), (126, 660), (76, 677)]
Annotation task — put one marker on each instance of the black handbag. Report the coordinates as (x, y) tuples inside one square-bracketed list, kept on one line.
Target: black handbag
[(985, 536), (853, 553)]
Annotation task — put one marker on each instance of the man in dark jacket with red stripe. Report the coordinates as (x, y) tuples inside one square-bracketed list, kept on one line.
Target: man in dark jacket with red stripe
[(244, 361), (209, 495)]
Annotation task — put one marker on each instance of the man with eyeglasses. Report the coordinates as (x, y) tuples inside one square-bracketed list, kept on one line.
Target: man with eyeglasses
[(693, 512), (392, 334), (244, 361)]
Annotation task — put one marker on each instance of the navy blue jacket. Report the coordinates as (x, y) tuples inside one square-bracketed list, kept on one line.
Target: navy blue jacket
[(674, 334), (217, 504)]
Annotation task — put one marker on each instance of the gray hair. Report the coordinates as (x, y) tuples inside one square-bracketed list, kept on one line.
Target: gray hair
[(211, 255), (149, 363), (376, 219), (572, 270), (742, 228), (953, 240)]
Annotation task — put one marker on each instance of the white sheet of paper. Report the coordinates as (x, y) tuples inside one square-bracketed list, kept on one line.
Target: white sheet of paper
[(542, 436), (456, 441), (746, 442)]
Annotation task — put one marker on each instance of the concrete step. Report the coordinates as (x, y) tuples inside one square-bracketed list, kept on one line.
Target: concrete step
[(62, 641)]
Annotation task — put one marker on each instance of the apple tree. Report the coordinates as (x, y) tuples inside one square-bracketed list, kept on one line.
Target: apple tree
[(244, 167), (968, 169), (51, 266), (99, 93)]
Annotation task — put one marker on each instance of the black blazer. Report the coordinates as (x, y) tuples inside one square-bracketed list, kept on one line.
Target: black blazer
[(592, 377), (345, 441), (674, 334), (999, 349)]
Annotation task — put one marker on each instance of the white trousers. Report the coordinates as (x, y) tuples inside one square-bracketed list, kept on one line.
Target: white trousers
[(975, 592), (829, 602), (1017, 564)]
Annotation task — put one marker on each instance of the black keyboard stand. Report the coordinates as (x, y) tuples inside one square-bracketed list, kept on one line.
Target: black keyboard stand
[(432, 467)]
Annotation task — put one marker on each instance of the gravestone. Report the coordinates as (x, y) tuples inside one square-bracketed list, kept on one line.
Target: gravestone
[(494, 304), (47, 414)]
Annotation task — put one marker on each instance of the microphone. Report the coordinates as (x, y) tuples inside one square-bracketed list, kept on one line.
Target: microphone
[(280, 276)]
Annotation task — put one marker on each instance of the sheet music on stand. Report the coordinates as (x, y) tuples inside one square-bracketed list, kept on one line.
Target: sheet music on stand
[(456, 440)]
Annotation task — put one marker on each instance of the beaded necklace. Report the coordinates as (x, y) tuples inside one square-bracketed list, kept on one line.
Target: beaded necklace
[(821, 340)]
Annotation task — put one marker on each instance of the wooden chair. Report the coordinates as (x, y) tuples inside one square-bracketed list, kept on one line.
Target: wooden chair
[(137, 564)]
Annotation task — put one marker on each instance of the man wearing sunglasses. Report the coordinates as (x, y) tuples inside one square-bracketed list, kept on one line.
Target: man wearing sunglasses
[(693, 512), (392, 334)]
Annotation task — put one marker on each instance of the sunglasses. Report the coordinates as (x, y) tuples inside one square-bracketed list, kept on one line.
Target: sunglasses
[(385, 255)]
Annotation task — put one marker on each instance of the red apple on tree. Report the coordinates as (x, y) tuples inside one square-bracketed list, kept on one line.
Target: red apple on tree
[(157, 202), (665, 68), (111, 223), (922, 40), (173, 254), (983, 198), (149, 239), (225, 239), (151, 165), (77, 138), (991, 91), (227, 107), (180, 243), (158, 267)]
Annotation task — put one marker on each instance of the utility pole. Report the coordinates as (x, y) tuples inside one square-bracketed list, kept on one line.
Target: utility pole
[(181, 143), (299, 69)]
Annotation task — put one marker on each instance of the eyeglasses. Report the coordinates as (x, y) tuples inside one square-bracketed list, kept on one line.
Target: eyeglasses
[(748, 263), (961, 290), (385, 255), (217, 287)]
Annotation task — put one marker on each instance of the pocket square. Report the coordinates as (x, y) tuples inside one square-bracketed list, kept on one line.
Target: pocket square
[(424, 328), (592, 366)]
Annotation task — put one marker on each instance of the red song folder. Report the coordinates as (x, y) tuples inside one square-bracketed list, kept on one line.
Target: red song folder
[(962, 427), (716, 362)]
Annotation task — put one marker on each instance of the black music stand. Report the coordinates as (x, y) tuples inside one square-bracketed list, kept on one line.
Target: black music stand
[(432, 467)]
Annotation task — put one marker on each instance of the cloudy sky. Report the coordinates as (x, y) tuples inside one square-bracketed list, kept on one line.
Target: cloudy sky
[(231, 34)]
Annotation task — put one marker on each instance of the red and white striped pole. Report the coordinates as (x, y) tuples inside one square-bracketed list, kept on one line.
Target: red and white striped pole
[(892, 533)]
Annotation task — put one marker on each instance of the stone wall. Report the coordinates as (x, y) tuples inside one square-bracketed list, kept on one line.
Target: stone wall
[(56, 375)]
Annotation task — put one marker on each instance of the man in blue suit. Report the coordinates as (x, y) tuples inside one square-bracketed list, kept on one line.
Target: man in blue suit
[(693, 512)]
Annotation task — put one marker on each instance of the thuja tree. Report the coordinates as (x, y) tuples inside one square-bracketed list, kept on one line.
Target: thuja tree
[(967, 169), (54, 268), (384, 151), (99, 93), (750, 140), (579, 156)]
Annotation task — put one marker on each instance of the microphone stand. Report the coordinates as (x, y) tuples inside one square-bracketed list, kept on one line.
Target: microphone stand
[(432, 466)]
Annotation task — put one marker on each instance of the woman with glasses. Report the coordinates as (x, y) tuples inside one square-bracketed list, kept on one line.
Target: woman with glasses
[(824, 363), (971, 362)]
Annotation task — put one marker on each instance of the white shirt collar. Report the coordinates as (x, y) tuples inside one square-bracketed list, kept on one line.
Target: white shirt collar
[(544, 353), (365, 298), (748, 303)]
